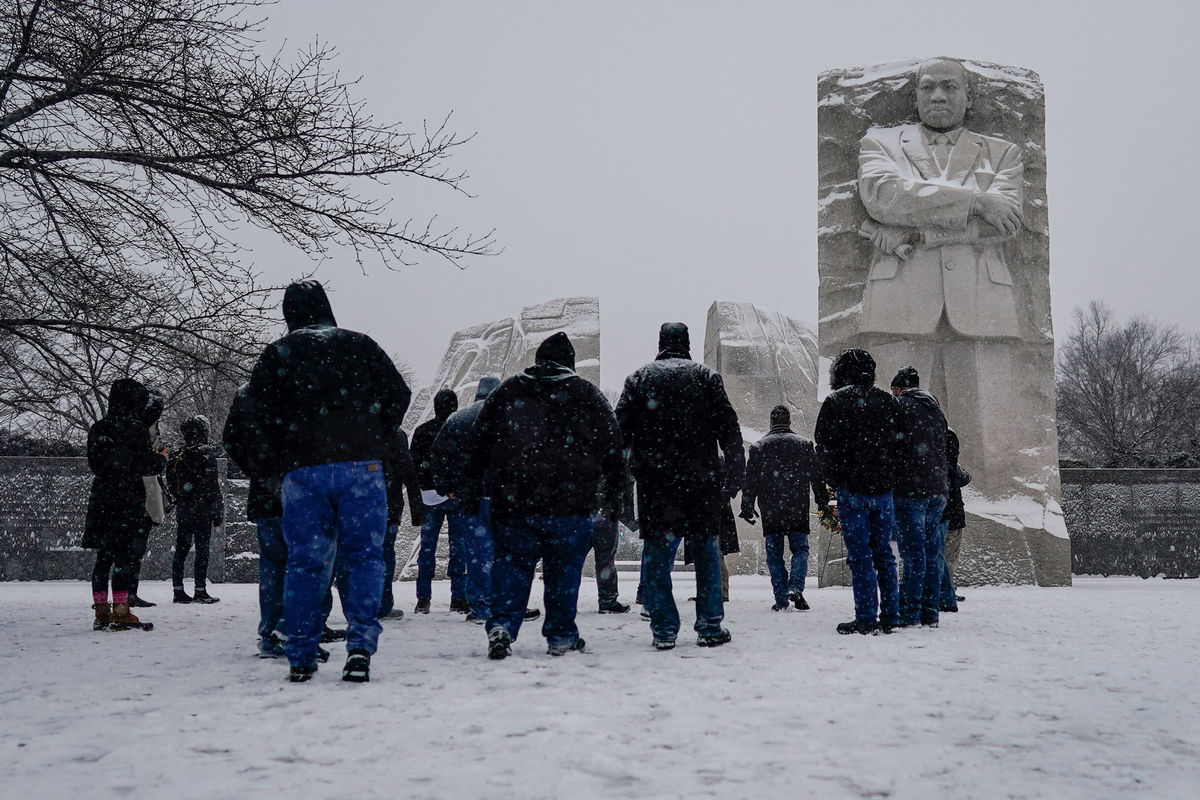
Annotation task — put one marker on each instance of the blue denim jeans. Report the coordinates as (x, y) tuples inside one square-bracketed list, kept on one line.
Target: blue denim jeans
[(949, 591), (562, 544), (867, 523), (272, 565), (782, 583), (658, 556), (333, 510), (474, 535), (918, 528), (427, 555)]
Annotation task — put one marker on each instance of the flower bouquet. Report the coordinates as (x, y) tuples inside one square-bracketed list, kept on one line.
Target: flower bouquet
[(829, 518)]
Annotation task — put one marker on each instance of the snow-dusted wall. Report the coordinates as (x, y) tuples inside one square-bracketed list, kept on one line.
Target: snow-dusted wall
[(505, 347)]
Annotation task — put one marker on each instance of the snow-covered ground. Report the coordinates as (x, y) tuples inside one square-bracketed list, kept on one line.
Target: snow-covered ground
[(1090, 692)]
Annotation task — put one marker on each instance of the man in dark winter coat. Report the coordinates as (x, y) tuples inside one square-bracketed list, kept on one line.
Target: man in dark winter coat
[(858, 437), (780, 471), (920, 499), (674, 415), (544, 443), (469, 527), (445, 403), (263, 509), (119, 456), (328, 402), (194, 480), (953, 521)]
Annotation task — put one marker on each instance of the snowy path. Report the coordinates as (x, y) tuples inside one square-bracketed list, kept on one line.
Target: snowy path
[(1091, 692)]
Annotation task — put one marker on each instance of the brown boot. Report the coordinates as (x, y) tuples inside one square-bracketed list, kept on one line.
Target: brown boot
[(103, 616), (123, 618)]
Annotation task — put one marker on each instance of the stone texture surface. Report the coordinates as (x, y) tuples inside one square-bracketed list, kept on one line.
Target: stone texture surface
[(998, 391), (505, 347)]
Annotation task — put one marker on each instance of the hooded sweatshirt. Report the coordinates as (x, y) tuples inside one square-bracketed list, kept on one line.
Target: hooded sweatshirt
[(323, 394), (243, 444), (921, 471), (451, 448), (445, 403), (545, 441), (858, 432), (192, 472)]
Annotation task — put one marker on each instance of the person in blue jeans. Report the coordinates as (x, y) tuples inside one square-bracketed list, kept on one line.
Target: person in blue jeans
[(920, 498), (858, 440), (675, 415), (327, 405), (781, 470), (542, 446), (473, 530)]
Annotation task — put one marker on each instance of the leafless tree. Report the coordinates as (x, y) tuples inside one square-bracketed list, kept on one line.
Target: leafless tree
[(136, 136), (1127, 394)]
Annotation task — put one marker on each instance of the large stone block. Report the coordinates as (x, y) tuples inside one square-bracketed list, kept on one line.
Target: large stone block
[(921, 263), (505, 347)]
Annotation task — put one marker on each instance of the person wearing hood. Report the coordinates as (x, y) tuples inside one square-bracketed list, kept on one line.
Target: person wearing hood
[(119, 455), (920, 499), (445, 403), (858, 440), (196, 483), (544, 443), (782, 469), (327, 403), (469, 528), (157, 498), (954, 519), (675, 415)]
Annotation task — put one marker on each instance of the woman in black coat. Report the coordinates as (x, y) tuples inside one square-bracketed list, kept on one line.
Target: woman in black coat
[(119, 455)]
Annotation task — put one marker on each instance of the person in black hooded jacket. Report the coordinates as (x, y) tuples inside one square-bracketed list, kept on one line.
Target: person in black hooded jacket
[(858, 440), (157, 499), (954, 519), (119, 456), (544, 443), (445, 403), (674, 415), (328, 402), (920, 499), (193, 477)]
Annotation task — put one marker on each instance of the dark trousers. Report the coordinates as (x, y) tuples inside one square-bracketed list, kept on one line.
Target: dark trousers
[(138, 547), (194, 525), (272, 565), (784, 582), (604, 546), (867, 523), (658, 557), (115, 558), (562, 544)]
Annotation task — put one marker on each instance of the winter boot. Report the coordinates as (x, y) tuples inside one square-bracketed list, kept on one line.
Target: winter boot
[(459, 606), (854, 626), (358, 667), (499, 644), (271, 647), (563, 649), (330, 635), (614, 607), (123, 618), (798, 600), (780, 607), (303, 673), (181, 596), (202, 596), (714, 639), (137, 602), (103, 616), (422, 606), (665, 643), (532, 613)]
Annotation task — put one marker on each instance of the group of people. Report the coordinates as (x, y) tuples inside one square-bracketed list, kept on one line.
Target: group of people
[(538, 468)]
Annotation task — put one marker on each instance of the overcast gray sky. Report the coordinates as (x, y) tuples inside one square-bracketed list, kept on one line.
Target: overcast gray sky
[(662, 155)]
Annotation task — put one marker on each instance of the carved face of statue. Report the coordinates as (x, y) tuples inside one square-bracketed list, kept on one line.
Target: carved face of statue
[(943, 95)]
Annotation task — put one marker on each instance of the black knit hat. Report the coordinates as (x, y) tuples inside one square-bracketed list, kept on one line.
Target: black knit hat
[(906, 378), (673, 338), (557, 348), (780, 416)]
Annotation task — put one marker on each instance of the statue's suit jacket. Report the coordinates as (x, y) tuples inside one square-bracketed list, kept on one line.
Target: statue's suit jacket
[(901, 184)]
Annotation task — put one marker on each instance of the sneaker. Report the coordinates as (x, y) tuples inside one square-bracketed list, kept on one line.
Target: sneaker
[(959, 598), (395, 613), (358, 667), (477, 619), (798, 600), (714, 639), (854, 626), (532, 613), (330, 635), (615, 607), (932, 624), (949, 609), (664, 643), (499, 644), (271, 647), (459, 607), (322, 655), (887, 627), (422, 606), (301, 674), (563, 649), (780, 607), (181, 597), (202, 596), (137, 602), (644, 614)]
